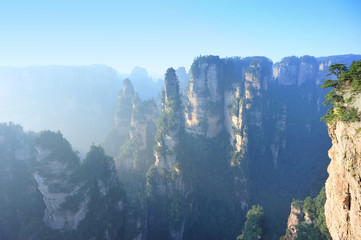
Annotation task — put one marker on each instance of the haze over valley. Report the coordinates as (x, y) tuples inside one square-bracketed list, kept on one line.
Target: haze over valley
[(180, 120)]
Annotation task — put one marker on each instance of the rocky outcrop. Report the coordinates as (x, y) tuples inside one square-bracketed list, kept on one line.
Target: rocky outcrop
[(21, 203), (170, 123), (343, 186), (166, 191), (205, 97), (265, 109), (134, 128), (295, 71), (296, 217), (79, 195), (55, 165)]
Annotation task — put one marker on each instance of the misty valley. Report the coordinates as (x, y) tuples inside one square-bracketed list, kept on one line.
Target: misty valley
[(234, 148)]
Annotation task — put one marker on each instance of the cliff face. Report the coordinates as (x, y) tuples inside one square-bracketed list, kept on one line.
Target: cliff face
[(47, 193), (134, 128), (343, 205), (55, 164), (205, 97), (271, 116), (72, 190), (166, 191)]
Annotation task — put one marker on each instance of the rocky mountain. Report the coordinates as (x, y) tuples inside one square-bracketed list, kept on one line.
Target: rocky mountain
[(247, 132), (343, 205), (47, 192), (167, 193), (307, 219), (338, 217)]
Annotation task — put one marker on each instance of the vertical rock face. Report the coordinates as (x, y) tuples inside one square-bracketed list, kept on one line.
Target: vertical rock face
[(125, 106), (270, 111), (343, 187), (205, 94), (55, 165), (167, 194), (295, 71), (78, 196), (170, 123), (134, 127)]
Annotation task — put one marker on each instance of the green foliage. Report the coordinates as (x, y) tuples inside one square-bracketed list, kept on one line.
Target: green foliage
[(255, 224), (329, 83), (105, 196), (297, 203), (59, 148), (195, 68), (292, 60), (308, 232), (314, 207), (347, 80), (337, 69)]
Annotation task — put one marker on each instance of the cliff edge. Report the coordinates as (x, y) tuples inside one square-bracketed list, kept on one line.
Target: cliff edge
[(343, 186)]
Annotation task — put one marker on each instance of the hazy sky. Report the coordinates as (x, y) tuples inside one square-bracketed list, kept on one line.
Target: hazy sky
[(160, 34)]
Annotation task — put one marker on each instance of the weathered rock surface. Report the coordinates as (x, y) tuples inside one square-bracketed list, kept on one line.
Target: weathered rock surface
[(165, 183), (343, 187), (296, 217), (55, 164)]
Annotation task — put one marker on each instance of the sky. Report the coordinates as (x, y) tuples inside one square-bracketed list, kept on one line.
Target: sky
[(159, 34)]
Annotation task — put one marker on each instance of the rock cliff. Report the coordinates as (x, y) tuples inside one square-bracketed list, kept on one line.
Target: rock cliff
[(78, 195), (270, 114), (205, 97), (343, 186), (55, 165), (48, 193), (166, 191)]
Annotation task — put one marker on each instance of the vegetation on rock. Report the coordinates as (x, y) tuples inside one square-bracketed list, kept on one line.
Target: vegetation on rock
[(347, 81), (254, 227)]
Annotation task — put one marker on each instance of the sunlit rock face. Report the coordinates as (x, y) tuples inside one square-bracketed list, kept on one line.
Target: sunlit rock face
[(205, 97), (343, 189), (296, 217)]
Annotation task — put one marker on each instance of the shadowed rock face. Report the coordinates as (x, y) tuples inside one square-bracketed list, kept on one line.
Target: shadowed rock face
[(271, 113), (343, 188)]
